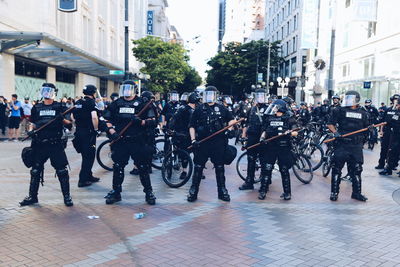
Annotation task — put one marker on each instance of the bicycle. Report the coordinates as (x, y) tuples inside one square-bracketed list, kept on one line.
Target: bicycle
[(104, 152), (301, 168), (173, 166)]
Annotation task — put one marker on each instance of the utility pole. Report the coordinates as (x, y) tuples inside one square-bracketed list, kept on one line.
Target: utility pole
[(268, 66), (332, 54), (126, 76)]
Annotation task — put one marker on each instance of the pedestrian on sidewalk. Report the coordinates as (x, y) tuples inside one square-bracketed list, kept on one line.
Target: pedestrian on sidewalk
[(15, 118), (26, 108), (3, 117)]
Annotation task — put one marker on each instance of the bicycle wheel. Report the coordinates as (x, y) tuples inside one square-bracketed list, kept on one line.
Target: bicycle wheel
[(314, 153), (302, 169), (172, 168), (103, 155), (158, 155), (326, 165), (241, 168)]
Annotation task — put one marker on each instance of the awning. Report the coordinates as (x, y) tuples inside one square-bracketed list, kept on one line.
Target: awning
[(46, 48)]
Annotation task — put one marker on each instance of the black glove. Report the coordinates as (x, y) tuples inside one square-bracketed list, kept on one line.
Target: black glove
[(195, 144), (68, 126), (114, 136), (242, 140), (136, 121), (31, 134), (230, 134), (371, 127), (337, 135), (98, 133)]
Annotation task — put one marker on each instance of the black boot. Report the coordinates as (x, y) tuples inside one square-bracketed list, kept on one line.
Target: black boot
[(248, 184), (286, 195), (63, 177), (356, 185), (380, 166), (266, 174), (222, 191), (251, 169), (33, 188), (118, 178), (387, 171), (194, 188), (146, 182), (335, 186), (264, 187)]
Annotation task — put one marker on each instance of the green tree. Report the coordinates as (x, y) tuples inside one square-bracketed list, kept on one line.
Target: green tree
[(191, 81), (165, 62), (233, 70)]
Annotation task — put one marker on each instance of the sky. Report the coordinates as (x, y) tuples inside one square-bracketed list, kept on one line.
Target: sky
[(196, 18)]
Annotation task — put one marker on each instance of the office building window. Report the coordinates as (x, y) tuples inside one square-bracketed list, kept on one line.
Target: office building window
[(295, 22), (282, 31), (288, 27), (103, 87), (348, 3), (65, 76), (345, 70), (346, 36), (287, 48), (293, 67), (288, 8), (371, 29), (30, 68), (294, 44)]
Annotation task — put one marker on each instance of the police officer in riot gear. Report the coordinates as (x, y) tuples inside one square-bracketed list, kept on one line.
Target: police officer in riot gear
[(335, 101), (277, 121), (348, 118), (119, 114), (324, 111), (86, 119), (387, 136), (181, 127), (227, 102), (373, 119), (170, 108), (304, 114), (48, 144), (252, 132), (393, 128), (207, 119), (184, 98)]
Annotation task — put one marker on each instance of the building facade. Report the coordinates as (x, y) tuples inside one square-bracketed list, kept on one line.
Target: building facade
[(244, 20), (284, 23), (70, 49), (367, 48), (161, 27)]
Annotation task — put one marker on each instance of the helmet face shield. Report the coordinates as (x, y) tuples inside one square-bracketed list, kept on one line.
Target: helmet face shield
[(127, 90), (184, 97), (174, 97), (48, 92), (228, 100), (272, 109), (350, 100), (210, 96), (260, 97)]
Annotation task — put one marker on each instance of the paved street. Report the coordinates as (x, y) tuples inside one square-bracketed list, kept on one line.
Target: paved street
[(309, 230)]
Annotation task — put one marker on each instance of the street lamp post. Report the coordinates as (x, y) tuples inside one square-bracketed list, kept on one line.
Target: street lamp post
[(302, 79), (282, 83), (268, 65)]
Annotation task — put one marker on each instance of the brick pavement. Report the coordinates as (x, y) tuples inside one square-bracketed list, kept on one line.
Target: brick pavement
[(309, 230)]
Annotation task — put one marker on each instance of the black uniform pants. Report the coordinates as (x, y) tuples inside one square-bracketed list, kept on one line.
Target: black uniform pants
[(272, 153), (183, 142), (134, 148), (394, 152), (3, 124), (49, 150), (252, 154), (213, 149), (350, 154), (385, 147), (87, 142)]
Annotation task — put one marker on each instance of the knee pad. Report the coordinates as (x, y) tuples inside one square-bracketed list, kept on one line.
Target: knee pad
[(358, 169), (62, 173), (36, 172), (284, 170)]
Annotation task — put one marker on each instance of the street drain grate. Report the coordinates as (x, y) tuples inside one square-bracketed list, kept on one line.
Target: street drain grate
[(396, 196)]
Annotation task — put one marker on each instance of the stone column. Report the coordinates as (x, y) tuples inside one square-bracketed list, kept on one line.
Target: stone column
[(7, 75)]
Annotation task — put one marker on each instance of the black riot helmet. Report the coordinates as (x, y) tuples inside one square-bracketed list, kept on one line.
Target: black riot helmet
[(173, 96), (277, 106), (48, 91), (89, 89), (147, 95), (114, 96), (193, 98), (127, 88), (326, 101), (368, 102), (351, 98), (210, 95), (394, 97), (288, 100)]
